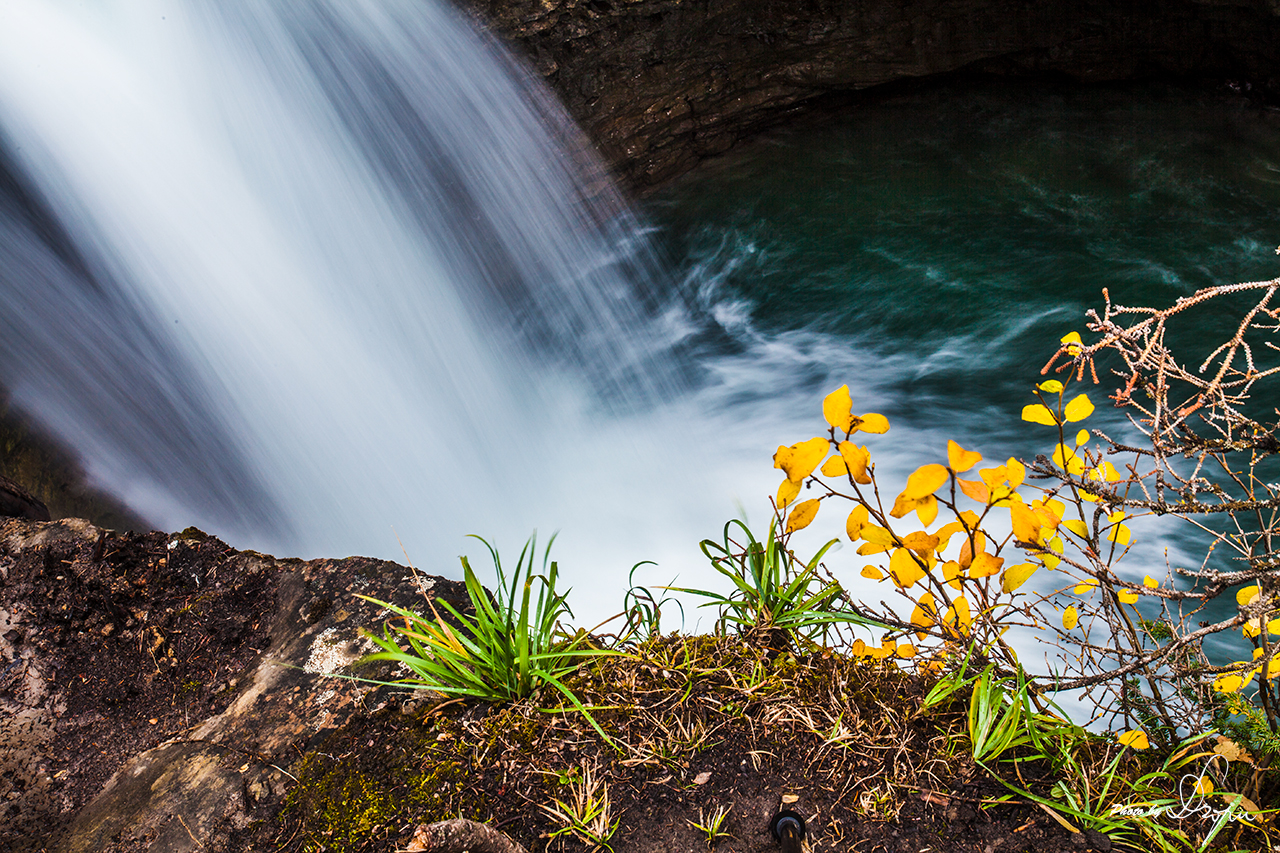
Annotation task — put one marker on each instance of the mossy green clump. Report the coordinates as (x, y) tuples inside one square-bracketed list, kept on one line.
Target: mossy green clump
[(361, 800), (341, 807)]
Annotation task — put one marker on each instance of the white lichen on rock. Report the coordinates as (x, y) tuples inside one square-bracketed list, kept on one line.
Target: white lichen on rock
[(330, 654)]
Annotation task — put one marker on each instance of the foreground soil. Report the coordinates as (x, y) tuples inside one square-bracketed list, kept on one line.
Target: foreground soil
[(167, 692)]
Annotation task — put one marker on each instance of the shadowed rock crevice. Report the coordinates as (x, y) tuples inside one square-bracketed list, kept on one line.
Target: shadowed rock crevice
[(661, 84)]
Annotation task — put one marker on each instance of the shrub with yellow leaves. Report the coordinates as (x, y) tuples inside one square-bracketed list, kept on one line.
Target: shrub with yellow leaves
[(964, 581), (959, 544)]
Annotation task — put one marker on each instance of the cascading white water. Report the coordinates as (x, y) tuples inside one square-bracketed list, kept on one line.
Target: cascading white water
[(300, 273)]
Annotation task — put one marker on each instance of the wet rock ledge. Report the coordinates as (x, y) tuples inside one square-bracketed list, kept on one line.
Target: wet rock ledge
[(155, 689), (660, 84)]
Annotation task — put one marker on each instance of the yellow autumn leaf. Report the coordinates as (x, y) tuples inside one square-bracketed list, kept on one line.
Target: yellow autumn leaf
[(799, 460), (1016, 472), (926, 508), (985, 564), (856, 459), (802, 515), (904, 569), (974, 543), (1252, 628), (1119, 534), (837, 408), (922, 614), (974, 490), (1246, 595), (1078, 409), (920, 541), (951, 573), (1231, 682), (925, 480), (1067, 459), (1016, 576), (1026, 524), (946, 531), (873, 573), (1077, 527), (1150, 582), (1038, 413), (1127, 596), (1050, 386), (873, 423), (958, 614), (994, 476), (857, 518), (1082, 437), (1105, 472), (1048, 518), (1086, 586), (1204, 786), (961, 460), (858, 649), (1070, 617), (834, 467), (1273, 627), (1135, 739), (787, 492), (906, 650), (877, 535)]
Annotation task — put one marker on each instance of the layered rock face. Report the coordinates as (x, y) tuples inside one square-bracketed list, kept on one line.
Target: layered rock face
[(660, 84)]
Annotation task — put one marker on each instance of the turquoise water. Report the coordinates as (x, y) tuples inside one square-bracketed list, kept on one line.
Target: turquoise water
[(966, 229), (930, 248)]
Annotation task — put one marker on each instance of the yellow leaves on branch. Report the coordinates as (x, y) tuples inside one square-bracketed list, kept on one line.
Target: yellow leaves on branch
[(918, 496), (856, 460), (1026, 523), (1118, 533), (1232, 682), (1070, 617), (984, 565), (802, 515), (873, 423), (1079, 408), (958, 616), (904, 568), (787, 492), (924, 481), (961, 460), (1038, 413), (857, 520), (1016, 576), (799, 460), (837, 408)]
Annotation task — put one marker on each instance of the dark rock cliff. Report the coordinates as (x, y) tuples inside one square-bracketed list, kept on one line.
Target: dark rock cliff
[(660, 84)]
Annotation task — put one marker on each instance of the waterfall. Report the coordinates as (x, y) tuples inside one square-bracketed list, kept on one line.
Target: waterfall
[(303, 272)]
